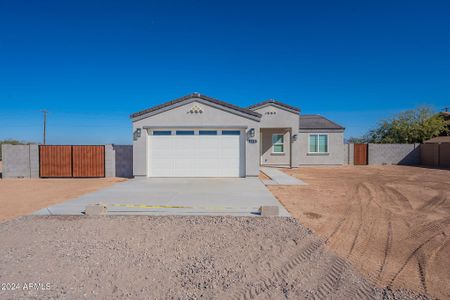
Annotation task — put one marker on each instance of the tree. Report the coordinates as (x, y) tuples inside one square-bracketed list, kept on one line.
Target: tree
[(412, 126)]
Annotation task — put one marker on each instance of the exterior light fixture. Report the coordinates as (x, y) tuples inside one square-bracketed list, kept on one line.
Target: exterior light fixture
[(137, 134), (251, 132), (294, 137)]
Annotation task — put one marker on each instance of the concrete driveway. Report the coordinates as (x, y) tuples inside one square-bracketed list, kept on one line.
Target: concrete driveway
[(176, 196)]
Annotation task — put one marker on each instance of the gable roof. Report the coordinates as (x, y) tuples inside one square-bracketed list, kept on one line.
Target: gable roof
[(317, 122), (195, 95), (272, 101)]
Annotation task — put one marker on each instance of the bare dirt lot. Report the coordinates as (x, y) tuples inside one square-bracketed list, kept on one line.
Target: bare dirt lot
[(140, 257), (24, 196), (391, 222)]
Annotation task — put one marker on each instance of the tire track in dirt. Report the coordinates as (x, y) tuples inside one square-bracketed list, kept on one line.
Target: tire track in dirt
[(360, 217), (413, 254), (402, 199), (421, 264), (435, 202), (387, 247), (433, 226), (278, 274), (330, 283), (335, 230)]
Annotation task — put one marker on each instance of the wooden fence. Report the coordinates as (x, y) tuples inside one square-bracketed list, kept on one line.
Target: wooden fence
[(71, 161)]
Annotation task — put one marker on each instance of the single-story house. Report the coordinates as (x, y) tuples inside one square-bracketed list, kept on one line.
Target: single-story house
[(199, 136)]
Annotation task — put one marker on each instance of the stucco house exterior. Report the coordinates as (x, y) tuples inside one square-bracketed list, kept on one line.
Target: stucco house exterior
[(199, 136)]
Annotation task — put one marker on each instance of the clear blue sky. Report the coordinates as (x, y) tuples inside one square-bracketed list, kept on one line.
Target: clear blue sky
[(92, 63)]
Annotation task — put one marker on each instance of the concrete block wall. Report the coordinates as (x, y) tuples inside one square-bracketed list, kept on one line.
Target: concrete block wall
[(394, 154), (20, 161), (123, 160), (110, 161), (349, 154)]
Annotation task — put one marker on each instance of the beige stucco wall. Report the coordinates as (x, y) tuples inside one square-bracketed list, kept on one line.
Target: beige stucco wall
[(211, 117), (281, 119), (269, 158), (336, 148)]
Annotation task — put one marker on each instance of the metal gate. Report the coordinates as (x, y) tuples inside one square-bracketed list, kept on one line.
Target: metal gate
[(360, 154), (71, 161)]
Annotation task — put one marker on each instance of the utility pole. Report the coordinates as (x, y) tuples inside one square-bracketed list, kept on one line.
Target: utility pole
[(44, 111)]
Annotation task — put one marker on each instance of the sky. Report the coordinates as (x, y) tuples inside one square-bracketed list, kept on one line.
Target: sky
[(93, 63)]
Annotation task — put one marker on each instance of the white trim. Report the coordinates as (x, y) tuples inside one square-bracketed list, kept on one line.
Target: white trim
[(318, 153), (282, 143), (276, 106), (200, 100)]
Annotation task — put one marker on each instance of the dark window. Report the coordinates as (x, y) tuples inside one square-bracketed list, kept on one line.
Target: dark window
[(207, 132), (185, 132), (231, 132), (162, 132)]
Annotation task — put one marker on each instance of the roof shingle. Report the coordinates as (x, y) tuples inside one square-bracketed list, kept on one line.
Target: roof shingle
[(317, 122), (195, 95), (272, 101)]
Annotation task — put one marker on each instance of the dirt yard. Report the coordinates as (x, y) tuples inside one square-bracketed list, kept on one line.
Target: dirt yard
[(167, 257), (24, 196), (391, 222)]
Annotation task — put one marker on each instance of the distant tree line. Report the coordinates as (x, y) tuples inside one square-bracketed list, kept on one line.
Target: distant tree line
[(407, 127)]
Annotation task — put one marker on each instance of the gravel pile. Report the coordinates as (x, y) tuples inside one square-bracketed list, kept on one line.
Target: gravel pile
[(171, 257)]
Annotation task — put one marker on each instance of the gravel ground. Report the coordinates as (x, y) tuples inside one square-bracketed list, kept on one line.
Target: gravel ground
[(175, 258)]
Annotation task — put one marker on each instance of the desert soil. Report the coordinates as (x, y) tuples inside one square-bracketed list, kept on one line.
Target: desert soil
[(25, 196), (391, 222), (136, 257)]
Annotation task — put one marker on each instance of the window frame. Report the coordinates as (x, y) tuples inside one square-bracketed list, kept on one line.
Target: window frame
[(318, 143), (278, 143)]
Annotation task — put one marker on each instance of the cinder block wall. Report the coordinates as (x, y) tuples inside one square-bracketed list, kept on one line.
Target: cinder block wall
[(119, 161), (123, 160), (349, 153), (110, 161), (20, 161), (394, 154)]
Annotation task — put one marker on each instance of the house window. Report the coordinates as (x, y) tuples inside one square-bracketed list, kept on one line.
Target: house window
[(185, 132), (277, 143), (231, 132), (207, 132), (162, 132), (318, 143)]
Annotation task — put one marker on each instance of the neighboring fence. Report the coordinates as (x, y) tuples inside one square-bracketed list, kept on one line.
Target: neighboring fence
[(394, 154), (32, 161), (382, 154), (435, 155)]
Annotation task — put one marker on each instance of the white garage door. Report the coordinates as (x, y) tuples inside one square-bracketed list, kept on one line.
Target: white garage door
[(199, 153)]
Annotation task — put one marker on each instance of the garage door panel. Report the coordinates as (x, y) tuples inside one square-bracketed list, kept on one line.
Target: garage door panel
[(194, 156)]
